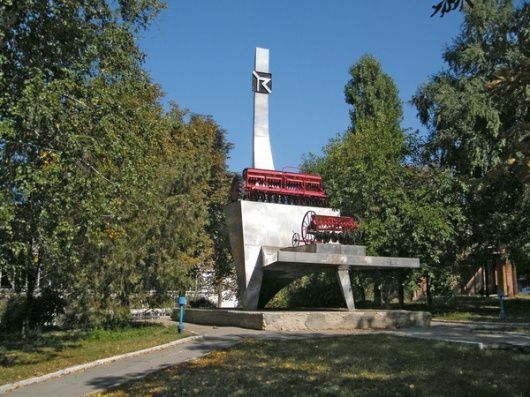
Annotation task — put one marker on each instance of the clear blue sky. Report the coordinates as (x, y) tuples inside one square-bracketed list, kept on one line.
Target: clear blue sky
[(201, 52)]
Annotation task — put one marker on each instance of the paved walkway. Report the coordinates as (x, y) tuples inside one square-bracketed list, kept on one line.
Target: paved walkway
[(481, 335), (120, 371), (109, 375)]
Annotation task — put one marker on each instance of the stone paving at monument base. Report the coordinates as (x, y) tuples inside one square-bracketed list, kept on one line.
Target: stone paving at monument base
[(314, 320)]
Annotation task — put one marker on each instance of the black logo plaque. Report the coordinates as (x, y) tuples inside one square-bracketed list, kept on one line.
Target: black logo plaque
[(261, 82)]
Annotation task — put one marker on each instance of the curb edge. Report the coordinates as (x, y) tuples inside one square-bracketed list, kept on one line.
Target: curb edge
[(76, 368)]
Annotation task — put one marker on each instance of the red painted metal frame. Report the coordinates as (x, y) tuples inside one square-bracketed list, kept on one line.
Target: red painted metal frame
[(283, 183), (323, 228), (327, 223)]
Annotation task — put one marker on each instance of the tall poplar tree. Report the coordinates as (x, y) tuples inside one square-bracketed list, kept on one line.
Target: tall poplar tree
[(405, 210)]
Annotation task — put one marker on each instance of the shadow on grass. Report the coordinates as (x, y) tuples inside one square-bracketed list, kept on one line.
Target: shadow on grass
[(46, 346), (187, 352), (15, 350), (353, 365)]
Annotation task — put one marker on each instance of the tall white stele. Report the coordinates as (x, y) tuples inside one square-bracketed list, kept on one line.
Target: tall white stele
[(262, 87)]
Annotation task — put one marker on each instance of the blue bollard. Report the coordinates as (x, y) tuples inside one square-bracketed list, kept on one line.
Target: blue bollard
[(182, 302)]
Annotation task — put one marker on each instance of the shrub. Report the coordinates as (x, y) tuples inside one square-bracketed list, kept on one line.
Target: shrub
[(201, 303), (42, 311), (14, 313)]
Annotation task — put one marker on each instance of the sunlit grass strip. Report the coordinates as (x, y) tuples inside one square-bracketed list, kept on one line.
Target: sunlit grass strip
[(476, 308), (58, 350)]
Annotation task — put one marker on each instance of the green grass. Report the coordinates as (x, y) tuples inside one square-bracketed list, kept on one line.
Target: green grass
[(483, 309), (473, 308), (51, 351), (362, 365)]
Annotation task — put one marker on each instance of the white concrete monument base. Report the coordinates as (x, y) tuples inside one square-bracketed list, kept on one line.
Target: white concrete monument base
[(253, 225), (261, 238), (316, 320)]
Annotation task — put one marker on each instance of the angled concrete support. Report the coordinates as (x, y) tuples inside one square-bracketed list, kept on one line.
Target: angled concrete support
[(345, 285)]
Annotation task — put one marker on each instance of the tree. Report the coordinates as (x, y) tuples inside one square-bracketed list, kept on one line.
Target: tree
[(205, 169), (477, 112), (58, 60), (104, 196), (218, 194), (406, 209), (445, 6)]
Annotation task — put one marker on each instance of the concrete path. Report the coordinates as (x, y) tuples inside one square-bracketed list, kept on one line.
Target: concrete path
[(106, 376), (480, 335)]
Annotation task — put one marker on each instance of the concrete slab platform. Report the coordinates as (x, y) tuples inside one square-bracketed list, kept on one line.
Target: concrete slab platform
[(309, 320), (321, 257), (329, 248)]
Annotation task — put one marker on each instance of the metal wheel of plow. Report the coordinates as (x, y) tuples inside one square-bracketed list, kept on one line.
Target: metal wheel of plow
[(295, 240), (306, 232)]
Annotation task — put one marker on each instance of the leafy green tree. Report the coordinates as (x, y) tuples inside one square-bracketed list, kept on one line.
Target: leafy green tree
[(218, 194), (445, 6), (104, 196), (477, 112), (405, 210), (203, 170)]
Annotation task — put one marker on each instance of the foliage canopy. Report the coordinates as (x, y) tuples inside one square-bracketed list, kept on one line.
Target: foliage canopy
[(477, 112), (105, 198)]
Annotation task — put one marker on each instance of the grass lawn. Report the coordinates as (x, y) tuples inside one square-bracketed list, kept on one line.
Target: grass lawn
[(362, 365), (483, 309), (472, 308), (52, 351)]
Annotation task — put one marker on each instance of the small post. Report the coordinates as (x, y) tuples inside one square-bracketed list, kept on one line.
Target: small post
[(502, 314), (182, 302)]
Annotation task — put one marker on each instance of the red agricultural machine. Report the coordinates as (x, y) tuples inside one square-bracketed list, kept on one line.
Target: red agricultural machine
[(278, 187), (325, 228)]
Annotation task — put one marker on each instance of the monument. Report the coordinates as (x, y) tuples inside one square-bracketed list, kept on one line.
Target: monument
[(280, 228), (262, 87)]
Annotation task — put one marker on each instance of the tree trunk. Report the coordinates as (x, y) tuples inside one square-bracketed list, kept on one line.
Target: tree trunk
[(14, 285), (377, 295), (386, 295), (401, 293), (362, 293), (29, 306), (219, 294), (428, 289), (486, 281), (31, 279)]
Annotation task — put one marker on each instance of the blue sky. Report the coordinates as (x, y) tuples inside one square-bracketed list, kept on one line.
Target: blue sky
[(201, 52)]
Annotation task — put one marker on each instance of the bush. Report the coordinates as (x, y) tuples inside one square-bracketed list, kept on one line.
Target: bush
[(201, 303), (318, 290), (14, 313), (43, 310)]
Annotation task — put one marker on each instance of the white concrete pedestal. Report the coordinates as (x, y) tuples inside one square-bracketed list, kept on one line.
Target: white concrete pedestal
[(261, 237)]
